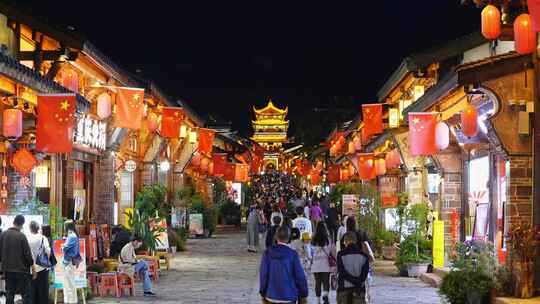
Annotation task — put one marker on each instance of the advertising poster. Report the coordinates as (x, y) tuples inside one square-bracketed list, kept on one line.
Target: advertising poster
[(438, 244), (416, 191), (92, 246), (388, 187), (79, 197), (80, 272), (163, 238), (196, 224), (178, 217), (350, 204)]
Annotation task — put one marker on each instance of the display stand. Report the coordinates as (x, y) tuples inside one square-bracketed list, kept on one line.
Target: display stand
[(83, 294)]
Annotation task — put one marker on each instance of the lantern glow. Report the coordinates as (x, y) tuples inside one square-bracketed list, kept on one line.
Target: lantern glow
[(183, 131), (491, 22), (393, 118), (469, 121), (12, 123), (153, 122), (104, 105), (442, 135), (524, 36), (380, 167), (192, 137)]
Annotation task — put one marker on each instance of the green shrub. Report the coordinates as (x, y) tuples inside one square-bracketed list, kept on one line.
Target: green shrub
[(230, 213), (178, 238)]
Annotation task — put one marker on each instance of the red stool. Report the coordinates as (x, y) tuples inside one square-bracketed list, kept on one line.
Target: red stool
[(93, 279), (153, 269), (108, 282), (126, 282)]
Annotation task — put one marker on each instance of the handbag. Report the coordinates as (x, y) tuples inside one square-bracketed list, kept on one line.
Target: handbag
[(42, 259), (331, 260)]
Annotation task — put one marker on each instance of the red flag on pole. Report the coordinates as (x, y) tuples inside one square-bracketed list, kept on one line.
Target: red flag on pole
[(206, 140), (372, 117), (55, 120), (129, 108), (366, 166), (534, 10), (422, 133), (170, 122), (220, 163), (333, 175)]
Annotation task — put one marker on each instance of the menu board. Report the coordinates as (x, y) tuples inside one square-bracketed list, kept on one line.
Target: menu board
[(80, 272), (416, 191), (163, 237)]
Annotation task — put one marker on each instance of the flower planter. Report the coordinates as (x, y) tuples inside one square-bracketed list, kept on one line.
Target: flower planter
[(414, 270), (389, 252)]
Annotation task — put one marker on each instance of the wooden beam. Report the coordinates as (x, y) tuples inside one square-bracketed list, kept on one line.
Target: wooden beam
[(45, 55), (55, 68)]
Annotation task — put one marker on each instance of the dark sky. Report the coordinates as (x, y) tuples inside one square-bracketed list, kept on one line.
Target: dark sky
[(225, 56)]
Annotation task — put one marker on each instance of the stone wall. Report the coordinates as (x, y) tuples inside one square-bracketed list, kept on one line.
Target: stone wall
[(519, 206), (451, 202)]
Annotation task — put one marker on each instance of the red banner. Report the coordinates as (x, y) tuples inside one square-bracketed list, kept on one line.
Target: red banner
[(372, 118), (306, 167), (230, 172), (534, 10), (241, 173), (170, 122), (422, 133), (55, 120), (366, 166), (388, 187), (220, 163), (206, 140), (129, 108)]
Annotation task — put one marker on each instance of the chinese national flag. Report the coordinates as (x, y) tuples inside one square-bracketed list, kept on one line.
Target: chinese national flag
[(372, 117), (422, 133), (366, 166), (170, 122), (206, 140), (306, 167), (315, 176), (333, 175), (220, 163), (55, 120), (534, 10), (129, 108), (230, 172)]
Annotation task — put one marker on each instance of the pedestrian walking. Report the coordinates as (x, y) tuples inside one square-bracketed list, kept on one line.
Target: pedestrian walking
[(129, 261), (301, 222), (341, 232), (303, 248), (71, 261), (270, 235), (307, 210), (316, 214), (41, 252), (353, 267), (254, 221), (324, 260), (17, 262), (276, 212), (332, 221), (282, 279)]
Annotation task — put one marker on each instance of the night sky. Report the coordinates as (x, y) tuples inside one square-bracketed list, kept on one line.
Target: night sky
[(223, 57)]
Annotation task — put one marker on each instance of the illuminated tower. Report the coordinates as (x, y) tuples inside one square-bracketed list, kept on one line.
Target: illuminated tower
[(270, 127)]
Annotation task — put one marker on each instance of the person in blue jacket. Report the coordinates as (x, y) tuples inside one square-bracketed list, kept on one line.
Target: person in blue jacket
[(282, 278)]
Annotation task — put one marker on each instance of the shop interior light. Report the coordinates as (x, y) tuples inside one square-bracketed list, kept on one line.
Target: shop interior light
[(193, 136), (165, 166)]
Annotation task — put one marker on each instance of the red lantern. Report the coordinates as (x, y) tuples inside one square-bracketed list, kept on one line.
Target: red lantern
[(204, 164), (524, 36), (380, 166), (319, 165), (341, 140), (352, 149), (12, 126), (24, 161), (153, 122), (344, 174), (104, 105), (491, 22), (211, 168), (196, 160), (442, 135), (469, 121)]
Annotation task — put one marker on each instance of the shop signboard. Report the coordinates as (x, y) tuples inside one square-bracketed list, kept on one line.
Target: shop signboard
[(130, 166), (415, 187), (196, 224), (438, 244), (91, 133), (388, 187), (350, 204), (80, 272), (92, 246)]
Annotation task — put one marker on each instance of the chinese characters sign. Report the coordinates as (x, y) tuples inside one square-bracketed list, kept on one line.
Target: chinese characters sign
[(91, 133)]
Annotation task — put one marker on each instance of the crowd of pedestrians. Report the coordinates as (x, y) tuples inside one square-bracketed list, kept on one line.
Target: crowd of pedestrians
[(314, 247)]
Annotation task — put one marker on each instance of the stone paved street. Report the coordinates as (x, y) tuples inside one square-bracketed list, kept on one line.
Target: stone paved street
[(219, 270)]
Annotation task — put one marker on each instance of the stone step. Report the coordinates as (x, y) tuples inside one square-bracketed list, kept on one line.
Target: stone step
[(441, 272), (431, 279)]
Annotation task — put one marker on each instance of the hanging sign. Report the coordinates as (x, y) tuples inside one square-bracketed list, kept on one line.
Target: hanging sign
[(414, 182), (388, 187), (91, 133), (130, 165)]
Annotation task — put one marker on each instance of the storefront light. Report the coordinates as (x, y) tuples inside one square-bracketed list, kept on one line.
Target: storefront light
[(165, 166), (193, 137), (183, 131), (418, 92), (393, 118)]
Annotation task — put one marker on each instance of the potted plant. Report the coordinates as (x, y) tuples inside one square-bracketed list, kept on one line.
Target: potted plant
[(385, 242), (523, 240), (230, 213), (471, 279)]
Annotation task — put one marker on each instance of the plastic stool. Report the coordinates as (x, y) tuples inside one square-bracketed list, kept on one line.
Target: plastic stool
[(153, 269), (108, 282), (126, 282), (93, 279)]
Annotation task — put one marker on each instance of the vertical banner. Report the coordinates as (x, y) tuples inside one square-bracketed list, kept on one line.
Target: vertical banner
[(372, 117), (80, 272), (438, 244), (388, 187), (129, 108), (422, 133), (55, 121), (350, 204)]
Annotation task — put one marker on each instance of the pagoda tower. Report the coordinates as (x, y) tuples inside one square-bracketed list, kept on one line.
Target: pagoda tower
[(270, 131)]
